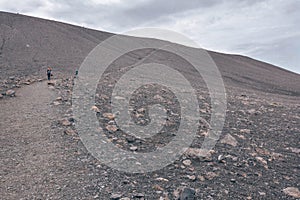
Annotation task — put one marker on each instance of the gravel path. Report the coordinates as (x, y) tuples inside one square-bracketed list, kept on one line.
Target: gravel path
[(29, 144), (33, 154)]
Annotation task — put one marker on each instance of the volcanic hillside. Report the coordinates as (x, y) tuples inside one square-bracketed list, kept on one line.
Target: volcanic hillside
[(28, 45)]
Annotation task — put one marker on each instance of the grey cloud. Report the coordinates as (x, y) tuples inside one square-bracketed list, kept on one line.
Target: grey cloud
[(283, 53), (154, 9), (21, 6)]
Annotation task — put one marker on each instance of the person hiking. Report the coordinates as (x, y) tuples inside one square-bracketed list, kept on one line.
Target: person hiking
[(49, 70)]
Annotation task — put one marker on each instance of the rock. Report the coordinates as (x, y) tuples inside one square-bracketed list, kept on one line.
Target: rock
[(230, 140), (10, 93), (111, 122), (95, 109), (56, 103), (262, 151), (262, 193), (130, 139), (191, 177), (71, 119), (69, 132), (125, 198), (109, 116), (116, 196), (177, 193), (138, 115), (220, 158), (247, 131), (138, 195), (165, 197), (201, 178), (197, 153), (119, 98), (251, 111), (277, 156), (141, 110), (210, 175), (292, 191), (187, 194), (187, 162), (1, 96), (102, 96), (157, 187), (162, 179), (111, 128), (134, 148), (27, 83), (233, 158), (158, 97), (263, 161), (51, 83), (260, 159), (12, 78), (58, 99), (295, 150), (65, 122), (241, 137)]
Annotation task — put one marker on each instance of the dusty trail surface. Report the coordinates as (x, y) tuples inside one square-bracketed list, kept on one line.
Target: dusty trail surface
[(35, 159)]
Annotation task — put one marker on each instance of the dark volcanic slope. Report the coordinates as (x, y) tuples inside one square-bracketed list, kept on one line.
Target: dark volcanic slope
[(28, 45), (243, 71)]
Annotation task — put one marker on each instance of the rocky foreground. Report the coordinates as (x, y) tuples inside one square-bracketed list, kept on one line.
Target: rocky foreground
[(257, 156)]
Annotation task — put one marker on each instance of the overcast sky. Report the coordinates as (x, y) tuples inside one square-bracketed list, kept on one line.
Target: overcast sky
[(267, 30)]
